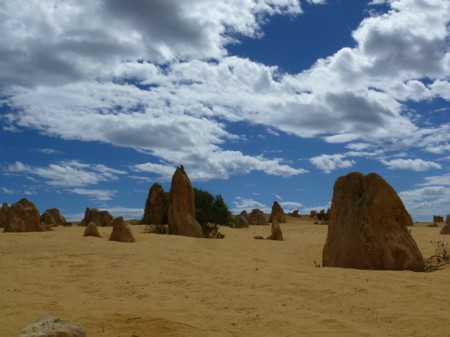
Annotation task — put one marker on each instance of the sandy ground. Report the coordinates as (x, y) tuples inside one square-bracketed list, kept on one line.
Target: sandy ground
[(178, 286)]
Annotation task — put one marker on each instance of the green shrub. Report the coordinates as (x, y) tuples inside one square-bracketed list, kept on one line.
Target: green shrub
[(211, 209)]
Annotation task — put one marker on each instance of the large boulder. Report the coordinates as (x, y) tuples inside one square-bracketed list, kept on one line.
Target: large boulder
[(156, 206), (23, 216), (447, 219), (368, 227), (182, 206), (257, 217), (277, 211), (3, 213), (276, 230), (53, 218), (445, 230), (101, 218), (92, 230), (121, 231), (240, 222), (48, 326)]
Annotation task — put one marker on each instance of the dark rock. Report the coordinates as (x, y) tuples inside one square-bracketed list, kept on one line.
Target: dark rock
[(368, 227), (92, 230), (121, 231), (277, 211), (182, 206), (156, 206)]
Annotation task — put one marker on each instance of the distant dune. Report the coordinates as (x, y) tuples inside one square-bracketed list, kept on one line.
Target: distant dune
[(179, 286)]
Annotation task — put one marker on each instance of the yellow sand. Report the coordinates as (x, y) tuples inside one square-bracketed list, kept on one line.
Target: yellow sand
[(178, 286)]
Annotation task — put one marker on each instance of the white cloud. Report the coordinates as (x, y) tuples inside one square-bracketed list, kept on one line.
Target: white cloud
[(126, 212), (48, 151), (290, 206), (67, 173), (7, 190), (74, 66), (442, 180), (57, 42), (218, 164), (329, 163), (427, 201), (245, 204), (411, 164), (98, 195)]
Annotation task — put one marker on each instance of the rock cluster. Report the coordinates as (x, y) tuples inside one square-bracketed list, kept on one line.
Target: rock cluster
[(277, 212), (368, 227), (23, 216), (257, 217), (438, 218), (53, 218), (295, 214), (156, 206), (100, 218), (181, 214)]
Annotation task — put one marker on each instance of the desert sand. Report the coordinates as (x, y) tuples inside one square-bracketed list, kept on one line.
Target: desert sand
[(178, 286)]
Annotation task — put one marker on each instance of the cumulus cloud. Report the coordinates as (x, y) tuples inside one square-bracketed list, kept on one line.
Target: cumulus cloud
[(66, 173), (328, 163), (426, 200), (156, 76), (57, 42), (442, 180), (245, 204), (411, 164)]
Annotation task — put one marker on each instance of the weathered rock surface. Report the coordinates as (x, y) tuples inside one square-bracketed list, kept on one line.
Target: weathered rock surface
[(101, 218), (3, 213), (182, 206), (23, 216), (445, 230), (295, 214), (257, 217), (438, 218), (121, 231), (277, 211), (244, 214), (53, 218), (276, 230), (156, 206), (368, 227), (92, 230), (48, 326), (240, 222)]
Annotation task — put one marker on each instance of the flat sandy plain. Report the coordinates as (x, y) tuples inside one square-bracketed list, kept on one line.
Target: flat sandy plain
[(178, 286)]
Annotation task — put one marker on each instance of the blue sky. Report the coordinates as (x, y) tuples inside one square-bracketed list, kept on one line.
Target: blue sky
[(260, 100)]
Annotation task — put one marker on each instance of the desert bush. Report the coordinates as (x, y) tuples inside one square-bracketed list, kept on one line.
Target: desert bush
[(157, 229), (440, 258)]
